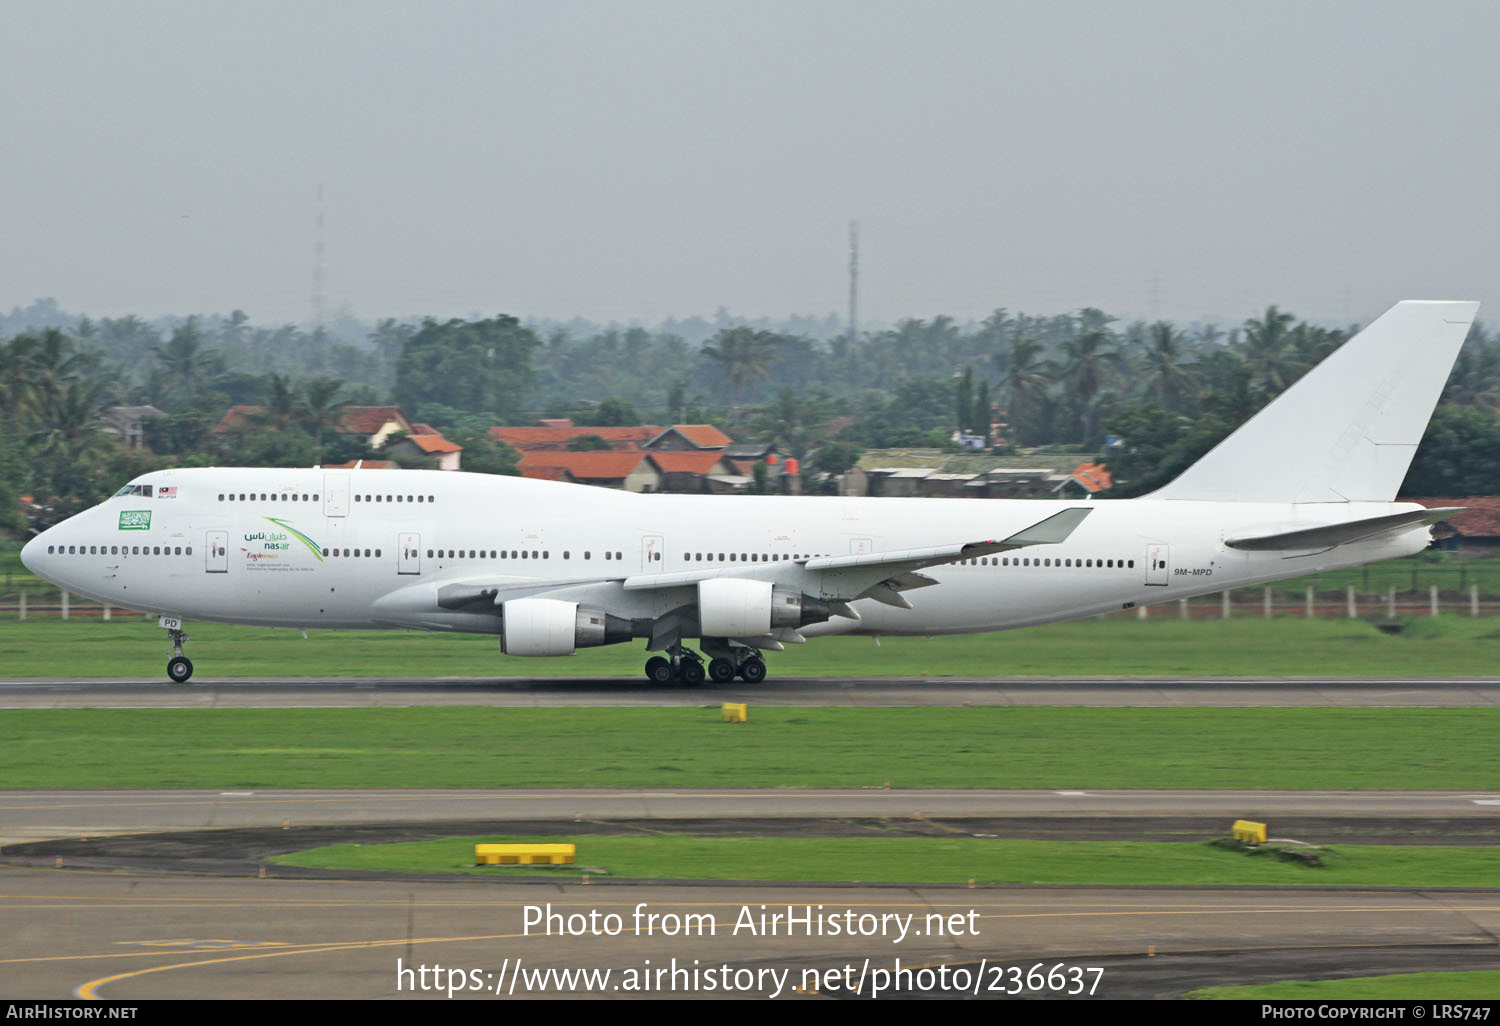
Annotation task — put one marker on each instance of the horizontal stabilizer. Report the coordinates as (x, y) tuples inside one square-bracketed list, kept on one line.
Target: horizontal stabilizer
[(1326, 536)]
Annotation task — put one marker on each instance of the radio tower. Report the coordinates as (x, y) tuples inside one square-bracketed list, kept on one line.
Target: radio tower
[(853, 281), (320, 269)]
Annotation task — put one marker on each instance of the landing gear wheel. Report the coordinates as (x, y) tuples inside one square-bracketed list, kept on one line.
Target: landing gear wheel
[(659, 670), (720, 671), (180, 668), (753, 670), (691, 672)]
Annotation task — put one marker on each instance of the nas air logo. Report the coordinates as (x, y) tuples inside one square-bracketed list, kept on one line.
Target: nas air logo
[(135, 520)]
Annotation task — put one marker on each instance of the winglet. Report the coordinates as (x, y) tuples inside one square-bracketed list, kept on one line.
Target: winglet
[(1052, 531)]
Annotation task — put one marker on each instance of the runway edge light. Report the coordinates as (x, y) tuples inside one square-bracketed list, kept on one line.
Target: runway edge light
[(1248, 832)]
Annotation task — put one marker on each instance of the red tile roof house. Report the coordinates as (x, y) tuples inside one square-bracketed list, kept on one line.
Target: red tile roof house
[(689, 437), (1476, 531), (555, 439), (631, 471), (555, 435), (376, 423), (364, 465), (696, 472), (429, 444)]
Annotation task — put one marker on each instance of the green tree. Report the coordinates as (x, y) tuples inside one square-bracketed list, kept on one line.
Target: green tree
[(587, 443), (322, 411), (468, 365), (184, 364), (1092, 363), (742, 357), (1167, 375), (1459, 455), (1028, 375), (1269, 350)]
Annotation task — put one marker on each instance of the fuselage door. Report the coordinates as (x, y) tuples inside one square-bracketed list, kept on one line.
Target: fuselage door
[(1158, 564), (216, 552), (410, 548), (335, 495), (651, 553)]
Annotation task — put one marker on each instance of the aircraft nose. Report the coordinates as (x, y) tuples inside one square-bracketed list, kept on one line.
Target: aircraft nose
[(31, 552)]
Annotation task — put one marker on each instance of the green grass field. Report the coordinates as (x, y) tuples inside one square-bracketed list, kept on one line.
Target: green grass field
[(1119, 646), (988, 747), (934, 860), (1476, 986)]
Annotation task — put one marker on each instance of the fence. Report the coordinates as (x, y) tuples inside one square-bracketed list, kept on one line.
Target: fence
[(1347, 602), (1267, 603), (63, 606)]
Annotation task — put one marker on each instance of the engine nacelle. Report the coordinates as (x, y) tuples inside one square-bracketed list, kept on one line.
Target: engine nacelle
[(552, 627), (731, 607)]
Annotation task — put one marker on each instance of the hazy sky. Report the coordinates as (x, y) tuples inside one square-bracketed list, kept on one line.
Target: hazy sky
[(643, 159)]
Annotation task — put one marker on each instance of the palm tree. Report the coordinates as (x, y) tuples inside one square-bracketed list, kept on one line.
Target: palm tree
[(282, 408), (1269, 349), (1092, 362), (1168, 377), (69, 436), (184, 362), (743, 355), (1026, 379), (322, 410)]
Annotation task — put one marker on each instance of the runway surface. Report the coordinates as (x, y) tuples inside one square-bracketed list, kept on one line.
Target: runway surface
[(129, 937), (37, 815), (182, 912), (632, 691), (160, 893)]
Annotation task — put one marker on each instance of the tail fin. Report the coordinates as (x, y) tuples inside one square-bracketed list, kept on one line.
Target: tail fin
[(1347, 430)]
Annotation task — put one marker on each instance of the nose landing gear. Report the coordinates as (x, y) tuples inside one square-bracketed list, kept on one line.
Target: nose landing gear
[(179, 667)]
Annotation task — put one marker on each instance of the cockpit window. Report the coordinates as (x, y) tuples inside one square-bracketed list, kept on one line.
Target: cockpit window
[(144, 490)]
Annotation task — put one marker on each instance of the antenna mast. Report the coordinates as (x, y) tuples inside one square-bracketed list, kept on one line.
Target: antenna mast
[(853, 281)]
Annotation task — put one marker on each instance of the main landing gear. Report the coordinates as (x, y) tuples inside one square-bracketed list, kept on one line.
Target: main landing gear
[(686, 667), (179, 667)]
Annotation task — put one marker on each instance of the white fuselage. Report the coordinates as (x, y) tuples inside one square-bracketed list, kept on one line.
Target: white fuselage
[(373, 548)]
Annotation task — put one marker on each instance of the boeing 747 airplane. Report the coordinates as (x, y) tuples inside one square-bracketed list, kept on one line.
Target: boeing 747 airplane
[(1308, 484)]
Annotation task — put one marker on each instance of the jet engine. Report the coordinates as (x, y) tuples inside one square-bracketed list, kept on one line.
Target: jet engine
[(552, 627), (730, 607)]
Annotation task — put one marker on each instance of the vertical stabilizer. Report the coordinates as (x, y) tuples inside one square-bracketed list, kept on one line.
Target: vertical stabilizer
[(1347, 430)]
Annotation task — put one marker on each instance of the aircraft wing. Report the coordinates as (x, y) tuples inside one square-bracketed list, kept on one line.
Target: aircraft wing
[(1326, 536), (877, 575)]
